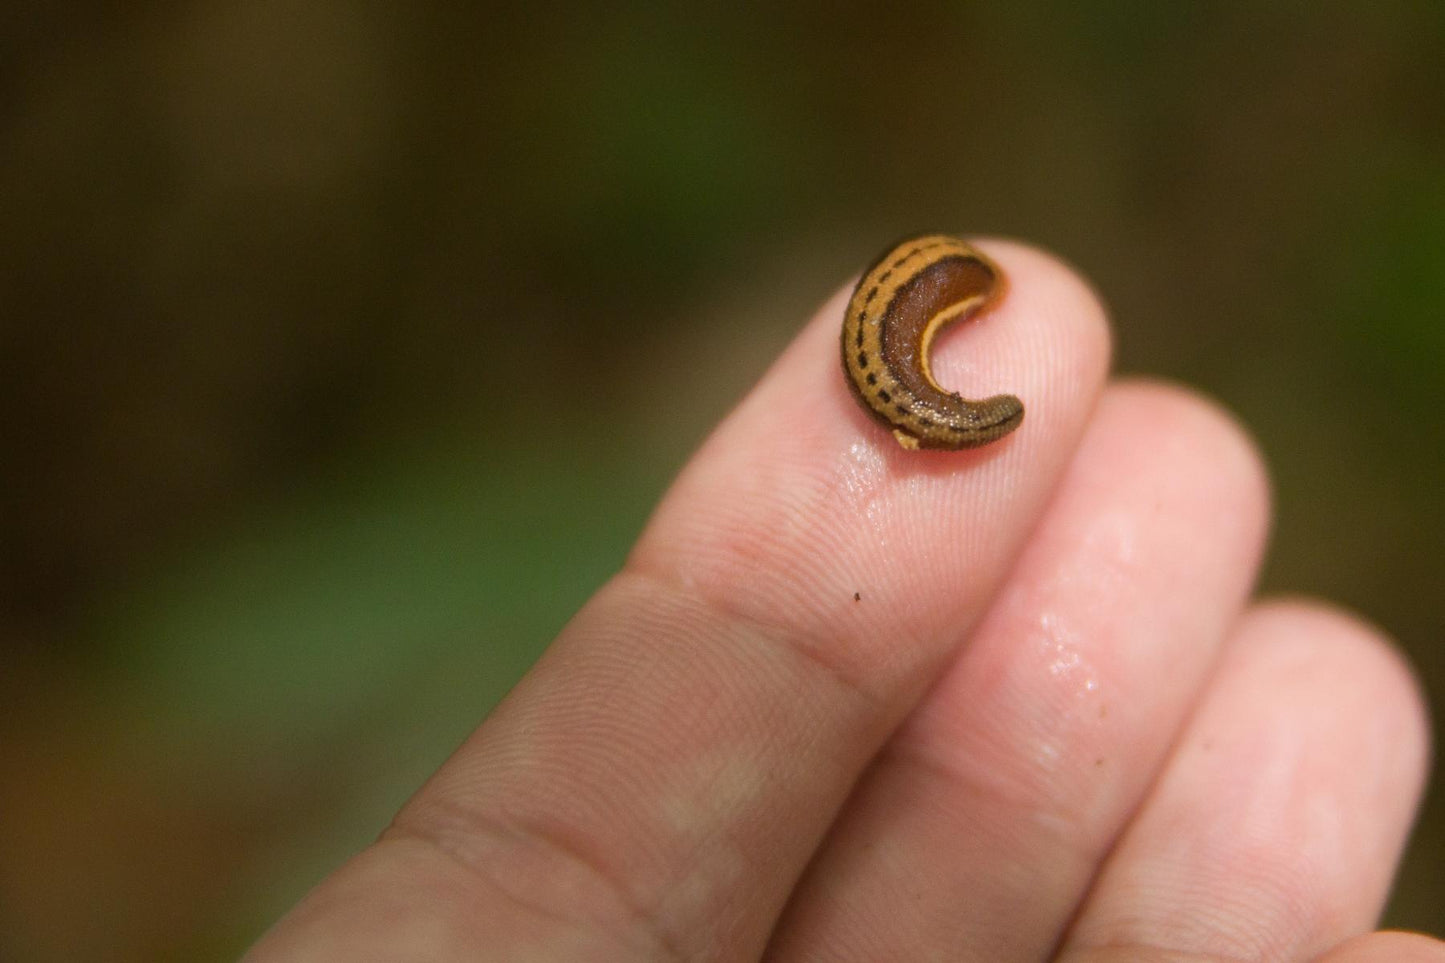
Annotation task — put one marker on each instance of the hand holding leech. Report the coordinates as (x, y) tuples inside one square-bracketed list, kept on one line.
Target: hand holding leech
[(850, 702)]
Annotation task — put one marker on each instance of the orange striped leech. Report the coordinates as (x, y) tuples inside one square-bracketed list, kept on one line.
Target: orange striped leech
[(914, 290)]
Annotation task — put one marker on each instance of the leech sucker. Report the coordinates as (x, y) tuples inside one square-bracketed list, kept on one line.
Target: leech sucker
[(913, 291)]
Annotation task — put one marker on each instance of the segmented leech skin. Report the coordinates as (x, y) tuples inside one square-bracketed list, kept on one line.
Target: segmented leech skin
[(913, 291)]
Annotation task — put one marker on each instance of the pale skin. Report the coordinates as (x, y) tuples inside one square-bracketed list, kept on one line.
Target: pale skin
[(1052, 725)]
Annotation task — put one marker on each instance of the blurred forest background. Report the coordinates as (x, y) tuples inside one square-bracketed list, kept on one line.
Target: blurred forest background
[(344, 347)]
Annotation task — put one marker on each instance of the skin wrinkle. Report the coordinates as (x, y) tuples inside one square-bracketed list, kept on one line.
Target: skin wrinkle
[(804, 645), (1029, 791), (456, 847), (1061, 656), (714, 619), (1124, 951), (863, 701), (1059, 823), (724, 570), (1396, 946)]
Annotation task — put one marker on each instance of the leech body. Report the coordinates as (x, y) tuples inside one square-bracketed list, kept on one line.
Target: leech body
[(913, 291)]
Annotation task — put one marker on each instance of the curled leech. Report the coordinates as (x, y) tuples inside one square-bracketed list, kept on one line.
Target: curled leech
[(913, 291)]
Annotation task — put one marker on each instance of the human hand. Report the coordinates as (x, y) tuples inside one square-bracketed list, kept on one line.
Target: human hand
[(847, 702)]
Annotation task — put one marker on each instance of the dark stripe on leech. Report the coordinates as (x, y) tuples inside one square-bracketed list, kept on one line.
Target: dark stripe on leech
[(919, 250)]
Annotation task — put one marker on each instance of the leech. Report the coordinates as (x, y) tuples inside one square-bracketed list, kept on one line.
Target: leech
[(913, 291)]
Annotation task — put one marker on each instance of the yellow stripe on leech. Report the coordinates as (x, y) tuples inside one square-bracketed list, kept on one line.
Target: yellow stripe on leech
[(902, 403)]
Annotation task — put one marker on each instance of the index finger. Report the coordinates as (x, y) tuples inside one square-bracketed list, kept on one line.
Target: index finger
[(657, 783)]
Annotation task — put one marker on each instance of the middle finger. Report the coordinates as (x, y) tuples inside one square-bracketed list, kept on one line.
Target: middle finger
[(981, 824)]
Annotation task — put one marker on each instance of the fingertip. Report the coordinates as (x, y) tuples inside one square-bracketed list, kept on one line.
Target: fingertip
[(1069, 311), (800, 493), (1045, 269), (1308, 638), (1204, 430)]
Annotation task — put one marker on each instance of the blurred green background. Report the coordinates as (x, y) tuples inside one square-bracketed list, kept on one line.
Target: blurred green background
[(344, 347)]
